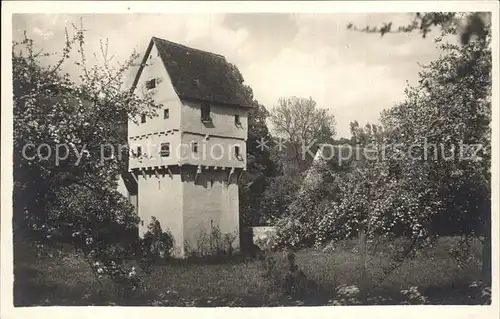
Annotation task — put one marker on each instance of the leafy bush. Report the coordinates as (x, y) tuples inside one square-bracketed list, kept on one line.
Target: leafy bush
[(278, 195), (290, 233), (156, 242), (125, 279), (320, 225)]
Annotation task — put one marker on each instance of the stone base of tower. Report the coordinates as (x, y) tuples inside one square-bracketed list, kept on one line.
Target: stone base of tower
[(160, 196), (200, 210), (210, 212)]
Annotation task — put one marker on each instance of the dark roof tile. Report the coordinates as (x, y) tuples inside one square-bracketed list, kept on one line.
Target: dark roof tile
[(200, 75)]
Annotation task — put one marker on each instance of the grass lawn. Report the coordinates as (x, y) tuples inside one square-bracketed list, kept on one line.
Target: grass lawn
[(65, 279)]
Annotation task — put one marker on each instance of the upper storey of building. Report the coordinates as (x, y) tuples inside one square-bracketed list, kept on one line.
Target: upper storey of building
[(201, 98)]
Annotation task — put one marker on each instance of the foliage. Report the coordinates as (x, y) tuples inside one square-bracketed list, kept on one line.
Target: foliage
[(126, 282), (300, 224), (342, 141), (260, 165), (212, 245), (156, 242), (300, 122), (407, 188), (471, 25), (279, 194), (297, 229), (361, 199), (451, 109), (67, 192), (259, 159)]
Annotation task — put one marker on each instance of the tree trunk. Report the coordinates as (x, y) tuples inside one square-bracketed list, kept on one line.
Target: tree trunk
[(363, 283)]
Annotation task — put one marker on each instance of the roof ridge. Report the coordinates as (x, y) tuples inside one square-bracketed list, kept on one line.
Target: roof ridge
[(190, 48)]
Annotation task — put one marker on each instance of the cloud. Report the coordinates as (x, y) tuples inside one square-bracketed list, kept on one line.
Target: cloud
[(351, 91), (44, 34), (353, 74)]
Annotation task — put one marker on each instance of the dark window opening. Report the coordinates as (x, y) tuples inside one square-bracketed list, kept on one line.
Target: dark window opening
[(205, 113), (237, 151), (143, 118), (139, 151), (195, 147), (165, 149), (237, 119), (166, 114), (151, 84), (212, 183)]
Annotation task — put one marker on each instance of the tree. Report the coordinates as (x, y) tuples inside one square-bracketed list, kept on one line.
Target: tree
[(260, 165), (279, 194), (408, 189), (299, 125), (451, 108), (66, 157), (342, 141), (299, 122)]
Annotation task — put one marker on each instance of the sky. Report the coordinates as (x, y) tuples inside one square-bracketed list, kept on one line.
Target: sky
[(354, 75)]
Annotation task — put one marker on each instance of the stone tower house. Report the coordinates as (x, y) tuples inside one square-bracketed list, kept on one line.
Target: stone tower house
[(187, 160)]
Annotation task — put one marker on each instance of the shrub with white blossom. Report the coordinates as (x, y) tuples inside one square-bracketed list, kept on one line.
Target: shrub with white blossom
[(67, 192)]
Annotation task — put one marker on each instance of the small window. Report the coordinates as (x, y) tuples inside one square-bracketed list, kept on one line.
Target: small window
[(237, 119), (143, 118), (151, 84), (237, 151), (139, 151), (166, 114), (205, 113), (165, 150), (195, 147)]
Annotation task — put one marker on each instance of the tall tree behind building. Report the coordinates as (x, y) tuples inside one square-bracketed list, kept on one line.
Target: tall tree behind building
[(260, 165), (302, 125)]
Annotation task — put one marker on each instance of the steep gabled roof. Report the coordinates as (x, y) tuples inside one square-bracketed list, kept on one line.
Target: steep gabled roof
[(198, 75)]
